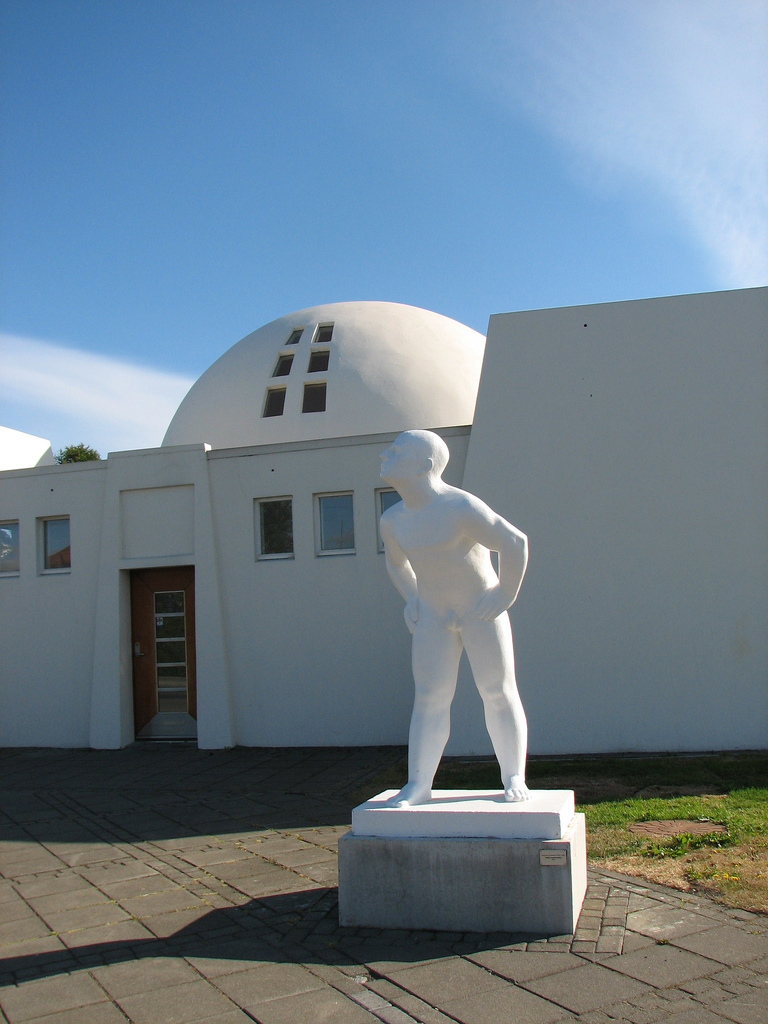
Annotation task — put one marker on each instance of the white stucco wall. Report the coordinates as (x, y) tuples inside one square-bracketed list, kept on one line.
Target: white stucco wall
[(633, 452), (318, 650), (47, 620)]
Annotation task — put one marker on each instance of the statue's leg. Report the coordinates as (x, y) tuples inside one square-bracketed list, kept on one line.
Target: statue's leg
[(435, 659), (492, 658)]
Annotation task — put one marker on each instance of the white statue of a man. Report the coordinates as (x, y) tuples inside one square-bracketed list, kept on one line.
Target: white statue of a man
[(438, 542)]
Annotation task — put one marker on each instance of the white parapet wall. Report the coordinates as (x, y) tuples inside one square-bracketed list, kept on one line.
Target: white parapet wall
[(629, 441)]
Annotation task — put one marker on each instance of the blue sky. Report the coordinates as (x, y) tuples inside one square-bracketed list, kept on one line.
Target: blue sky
[(175, 174)]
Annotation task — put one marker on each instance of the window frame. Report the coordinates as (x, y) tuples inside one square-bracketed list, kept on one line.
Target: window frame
[(380, 492), (13, 572), (317, 340), (260, 555), (280, 358), (314, 385), (44, 570), (270, 391), (295, 333), (313, 354), (320, 551)]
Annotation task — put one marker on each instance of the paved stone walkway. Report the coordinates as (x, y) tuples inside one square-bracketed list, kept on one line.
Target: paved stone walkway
[(165, 884)]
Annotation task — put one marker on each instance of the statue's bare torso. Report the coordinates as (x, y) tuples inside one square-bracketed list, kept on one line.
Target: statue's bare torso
[(453, 570)]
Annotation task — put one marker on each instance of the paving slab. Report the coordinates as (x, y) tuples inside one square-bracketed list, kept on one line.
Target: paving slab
[(49, 995), (590, 987), (248, 989), (663, 922), (727, 944), (521, 966), (322, 1006)]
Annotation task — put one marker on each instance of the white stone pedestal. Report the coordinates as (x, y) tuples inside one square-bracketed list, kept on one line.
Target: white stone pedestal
[(467, 861)]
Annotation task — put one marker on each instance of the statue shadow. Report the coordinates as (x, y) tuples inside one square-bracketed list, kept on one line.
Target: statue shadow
[(297, 927)]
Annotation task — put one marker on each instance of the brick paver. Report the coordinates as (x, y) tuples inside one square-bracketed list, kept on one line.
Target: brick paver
[(163, 883)]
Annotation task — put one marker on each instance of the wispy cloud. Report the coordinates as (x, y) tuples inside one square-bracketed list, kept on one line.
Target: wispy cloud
[(670, 93), (69, 395)]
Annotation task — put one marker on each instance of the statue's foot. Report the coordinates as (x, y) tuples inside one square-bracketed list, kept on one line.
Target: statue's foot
[(412, 793), (516, 789)]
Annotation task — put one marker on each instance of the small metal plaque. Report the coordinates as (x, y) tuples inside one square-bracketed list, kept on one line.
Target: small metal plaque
[(553, 858)]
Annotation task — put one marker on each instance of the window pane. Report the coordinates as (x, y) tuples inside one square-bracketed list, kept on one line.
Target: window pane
[(275, 402), (295, 336), (276, 520), (56, 542), (318, 361), (9, 547), (314, 398), (324, 334), (388, 499), (283, 367), (170, 601), (337, 527)]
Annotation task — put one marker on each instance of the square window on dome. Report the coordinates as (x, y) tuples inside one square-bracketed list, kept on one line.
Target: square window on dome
[(324, 334), (314, 398), (275, 402), (283, 367), (295, 336), (318, 361)]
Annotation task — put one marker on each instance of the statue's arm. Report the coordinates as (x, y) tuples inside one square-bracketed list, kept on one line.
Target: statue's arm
[(488, 528), (402, 575)]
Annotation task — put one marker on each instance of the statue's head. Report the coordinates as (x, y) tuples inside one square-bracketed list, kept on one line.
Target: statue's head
[(414, 453)]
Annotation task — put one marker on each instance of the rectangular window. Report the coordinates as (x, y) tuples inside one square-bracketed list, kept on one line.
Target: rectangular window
[(275, 402), (295, 337), (318, 361), (335, 523), (55, 541), (314, 398), (385, 498), (323, 334), (274, 528), (283, 367), (9, 547)]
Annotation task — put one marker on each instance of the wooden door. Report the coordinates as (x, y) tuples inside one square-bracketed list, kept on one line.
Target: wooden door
[(163, 643)]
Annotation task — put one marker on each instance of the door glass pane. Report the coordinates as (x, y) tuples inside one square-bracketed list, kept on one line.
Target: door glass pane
[(171, 652), (169, 601), (169, 627)]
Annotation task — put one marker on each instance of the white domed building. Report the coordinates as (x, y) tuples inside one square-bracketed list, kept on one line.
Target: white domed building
[(231, 585), (335, 371)]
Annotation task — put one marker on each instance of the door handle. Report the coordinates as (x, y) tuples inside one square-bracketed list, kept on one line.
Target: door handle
[(137, 651)]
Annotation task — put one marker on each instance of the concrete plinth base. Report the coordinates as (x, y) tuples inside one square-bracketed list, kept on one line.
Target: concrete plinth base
[(462, 883)]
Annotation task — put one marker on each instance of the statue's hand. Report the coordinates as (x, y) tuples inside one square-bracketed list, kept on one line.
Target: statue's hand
[(412, 614), (493, 603)]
